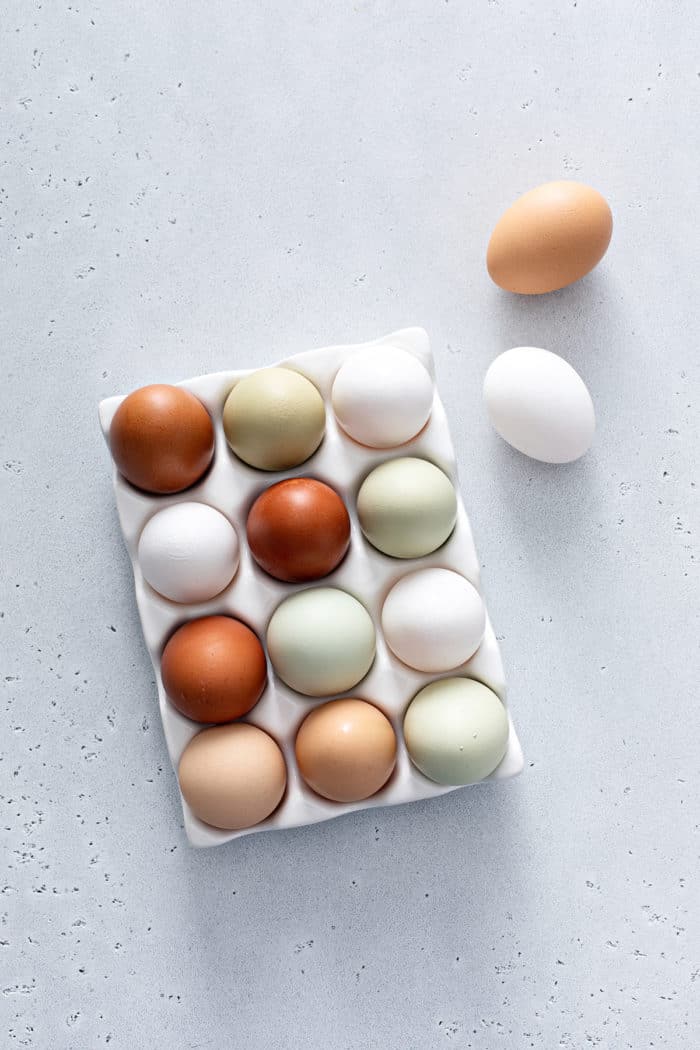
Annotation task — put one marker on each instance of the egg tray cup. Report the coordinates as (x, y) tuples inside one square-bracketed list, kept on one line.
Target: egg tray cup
[(231, 486)]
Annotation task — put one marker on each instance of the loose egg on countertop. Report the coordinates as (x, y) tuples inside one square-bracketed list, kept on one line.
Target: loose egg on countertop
[(214, 669), (188, 552), (433, 619), (298, 530), (321, 641), (161, 438), (382, 396), (407, 507), (232, 776), (539, 404), (456, 731), (346, 750), (549, 238), (274, 419)]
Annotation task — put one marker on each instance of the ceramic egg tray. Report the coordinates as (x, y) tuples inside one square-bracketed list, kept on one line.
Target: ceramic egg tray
[(231, 487)]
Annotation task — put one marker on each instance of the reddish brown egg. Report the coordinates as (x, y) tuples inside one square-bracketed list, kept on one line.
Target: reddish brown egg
[(162, 438), (298, 530), (214, 669)]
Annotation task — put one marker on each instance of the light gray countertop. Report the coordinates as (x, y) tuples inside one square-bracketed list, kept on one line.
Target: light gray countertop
[(186, 188)]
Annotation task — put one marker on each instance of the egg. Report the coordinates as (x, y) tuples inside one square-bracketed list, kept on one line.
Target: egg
[(407, 507), (539, 404), (456, 731), (382, 396), (346, 750), (433, 620), (214, 669), (549, 238), (274, 419), (232, 776), (298, 530), (161, 438), (321, 641), (188, 552)]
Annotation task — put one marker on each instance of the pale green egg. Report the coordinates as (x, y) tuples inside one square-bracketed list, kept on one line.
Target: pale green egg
[(456, 731), (407, 507), (321, 641)]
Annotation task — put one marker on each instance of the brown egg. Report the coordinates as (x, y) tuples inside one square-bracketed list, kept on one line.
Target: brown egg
[(298, 530), (549, 238), (232, 776), (162, 438), (346, 750), (214, 669)]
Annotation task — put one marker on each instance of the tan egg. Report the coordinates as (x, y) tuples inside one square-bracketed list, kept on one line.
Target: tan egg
[(549, 238), (232, 776), (346, 750)]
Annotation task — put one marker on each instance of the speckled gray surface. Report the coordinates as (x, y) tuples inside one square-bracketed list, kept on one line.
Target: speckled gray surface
[(188, 188)]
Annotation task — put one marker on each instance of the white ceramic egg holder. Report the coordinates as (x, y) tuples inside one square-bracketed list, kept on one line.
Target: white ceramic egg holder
[(231, 487)]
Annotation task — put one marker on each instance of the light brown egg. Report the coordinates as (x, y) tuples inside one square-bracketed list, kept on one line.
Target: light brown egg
[(232, 776), (162, 438), (549, 238), (346, 750)]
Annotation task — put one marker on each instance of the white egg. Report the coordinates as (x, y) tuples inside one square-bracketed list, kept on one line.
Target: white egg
[(382, 397), (539, 404), (433, 620), (188, 552)]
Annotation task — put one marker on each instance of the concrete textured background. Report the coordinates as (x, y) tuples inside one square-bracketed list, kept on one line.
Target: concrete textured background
[(189, 187)]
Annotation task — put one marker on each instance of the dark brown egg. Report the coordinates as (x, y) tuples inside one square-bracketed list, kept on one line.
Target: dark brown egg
[(214, 669), (298, 530), (162, 438)]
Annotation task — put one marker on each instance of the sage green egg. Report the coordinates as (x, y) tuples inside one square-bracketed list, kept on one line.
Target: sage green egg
[(456, 731), (321, 641), (274, 419), (407, 507)]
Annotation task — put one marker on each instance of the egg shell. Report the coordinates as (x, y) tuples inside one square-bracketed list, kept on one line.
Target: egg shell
[(456, 731), (298, 530), (188, 552), (274, 419), (407, 507), (346, 750), (214, 669), (539, 404), (549, 238), (162, 438), (232, 776), (433, 619), (321, 641), (382, 397)]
